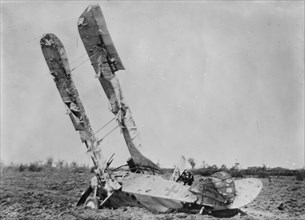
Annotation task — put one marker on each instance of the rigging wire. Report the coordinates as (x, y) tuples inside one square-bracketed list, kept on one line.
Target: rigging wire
[(83, 62), (73, 61), (100, 140), (105, 125), (79, 64)]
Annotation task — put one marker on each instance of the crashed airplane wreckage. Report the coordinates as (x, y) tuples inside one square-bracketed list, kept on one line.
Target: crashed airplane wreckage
[(139, 185)]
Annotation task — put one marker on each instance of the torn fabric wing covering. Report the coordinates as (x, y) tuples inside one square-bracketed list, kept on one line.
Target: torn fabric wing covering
[(106, 61), (58, 64)]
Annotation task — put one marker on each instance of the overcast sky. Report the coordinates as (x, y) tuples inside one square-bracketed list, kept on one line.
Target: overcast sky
[(221, 82)]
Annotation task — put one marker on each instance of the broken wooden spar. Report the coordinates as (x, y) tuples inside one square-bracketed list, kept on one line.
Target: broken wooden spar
[(106, 61), (57, 61)]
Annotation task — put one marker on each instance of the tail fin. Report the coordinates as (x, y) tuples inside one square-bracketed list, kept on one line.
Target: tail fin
[(179, 168)]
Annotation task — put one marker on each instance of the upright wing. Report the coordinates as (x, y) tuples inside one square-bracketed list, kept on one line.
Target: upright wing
[(57, 60), (106, 61)]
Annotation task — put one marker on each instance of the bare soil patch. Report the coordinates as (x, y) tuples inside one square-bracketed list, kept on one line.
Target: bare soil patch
[(53, 193)]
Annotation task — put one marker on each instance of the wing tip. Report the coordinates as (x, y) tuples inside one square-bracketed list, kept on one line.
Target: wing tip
[(48, 39)]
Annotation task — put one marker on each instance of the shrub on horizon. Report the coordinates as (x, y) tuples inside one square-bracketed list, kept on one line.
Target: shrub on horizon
[(49, 162), (300, 175), (192, 162), (34, 167), (22, 167), (73, 165), (60, 164)]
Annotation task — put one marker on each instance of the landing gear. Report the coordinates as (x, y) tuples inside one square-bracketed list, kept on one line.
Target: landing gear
[(92, 203)]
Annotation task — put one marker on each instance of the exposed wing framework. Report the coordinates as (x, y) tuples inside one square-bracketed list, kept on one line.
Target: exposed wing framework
[(106, 61), (57, 60)]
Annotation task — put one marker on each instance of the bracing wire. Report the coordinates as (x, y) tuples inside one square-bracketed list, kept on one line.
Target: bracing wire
[(73, 61), (83, 62), (104, 125), (100, 140)]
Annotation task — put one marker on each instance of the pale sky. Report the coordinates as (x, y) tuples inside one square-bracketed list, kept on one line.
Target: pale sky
[(221, 82)]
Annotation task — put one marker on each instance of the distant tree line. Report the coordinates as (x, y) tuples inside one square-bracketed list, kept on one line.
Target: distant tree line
[(49, 164), (260, 171), (236, 171), (204, 170)]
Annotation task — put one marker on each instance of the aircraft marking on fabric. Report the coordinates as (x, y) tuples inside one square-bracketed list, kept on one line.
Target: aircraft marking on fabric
[(171, 190)]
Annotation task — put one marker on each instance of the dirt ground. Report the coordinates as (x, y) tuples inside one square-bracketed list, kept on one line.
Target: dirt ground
[(53, 193)]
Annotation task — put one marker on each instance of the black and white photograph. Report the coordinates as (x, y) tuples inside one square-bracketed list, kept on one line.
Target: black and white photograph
[(149, 110)]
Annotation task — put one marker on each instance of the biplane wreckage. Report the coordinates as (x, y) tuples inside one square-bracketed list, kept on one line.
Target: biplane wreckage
[(139, 184)]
